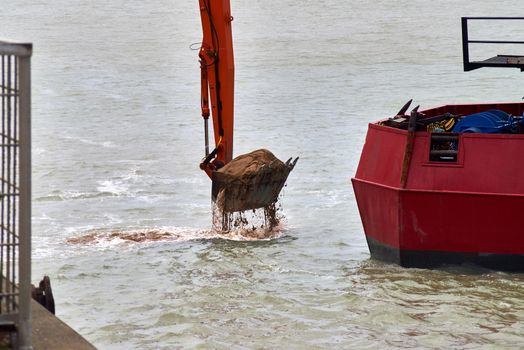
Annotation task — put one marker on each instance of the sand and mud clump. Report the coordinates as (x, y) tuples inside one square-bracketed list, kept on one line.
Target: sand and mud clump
[(245, 187), (250, 181)]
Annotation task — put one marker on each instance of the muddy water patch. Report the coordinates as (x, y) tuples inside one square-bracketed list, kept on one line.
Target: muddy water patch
[(170, 234), (137, 236)]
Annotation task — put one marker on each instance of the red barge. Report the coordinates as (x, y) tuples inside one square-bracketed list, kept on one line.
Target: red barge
[(445, 185)]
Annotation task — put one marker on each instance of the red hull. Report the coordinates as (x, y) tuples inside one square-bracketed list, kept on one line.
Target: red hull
[(469, 210)]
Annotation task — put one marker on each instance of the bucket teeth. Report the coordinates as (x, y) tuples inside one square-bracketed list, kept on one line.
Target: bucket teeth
[(294, 163), (291, 163)]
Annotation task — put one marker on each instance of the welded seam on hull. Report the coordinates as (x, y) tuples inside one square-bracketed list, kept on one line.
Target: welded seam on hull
[(437, 191), (359, 209), (400, 225)]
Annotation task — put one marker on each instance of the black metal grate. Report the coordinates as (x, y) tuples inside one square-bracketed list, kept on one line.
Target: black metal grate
[(500, 61)]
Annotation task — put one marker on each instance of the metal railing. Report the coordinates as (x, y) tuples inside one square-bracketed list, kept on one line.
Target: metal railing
[(497, 61), (15, 197)]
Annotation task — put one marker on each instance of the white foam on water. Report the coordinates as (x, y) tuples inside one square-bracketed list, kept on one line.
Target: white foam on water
[(39, 151), (59, 195), (115, 187), (105, 144)]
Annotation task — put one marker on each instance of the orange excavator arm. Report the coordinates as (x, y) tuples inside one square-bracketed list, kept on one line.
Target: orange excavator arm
[(217, 71), (250, 181)]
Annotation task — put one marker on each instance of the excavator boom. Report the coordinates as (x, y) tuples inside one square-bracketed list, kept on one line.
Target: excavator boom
[(217, 68), (252, 180)]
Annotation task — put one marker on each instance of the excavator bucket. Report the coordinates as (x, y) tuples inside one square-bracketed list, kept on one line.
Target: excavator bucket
[(250, 181)]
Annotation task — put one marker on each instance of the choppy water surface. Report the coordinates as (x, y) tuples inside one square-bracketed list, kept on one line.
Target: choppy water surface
[(117, 142)]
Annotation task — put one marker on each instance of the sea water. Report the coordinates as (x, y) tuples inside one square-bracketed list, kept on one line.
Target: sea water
[(117, 139)]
